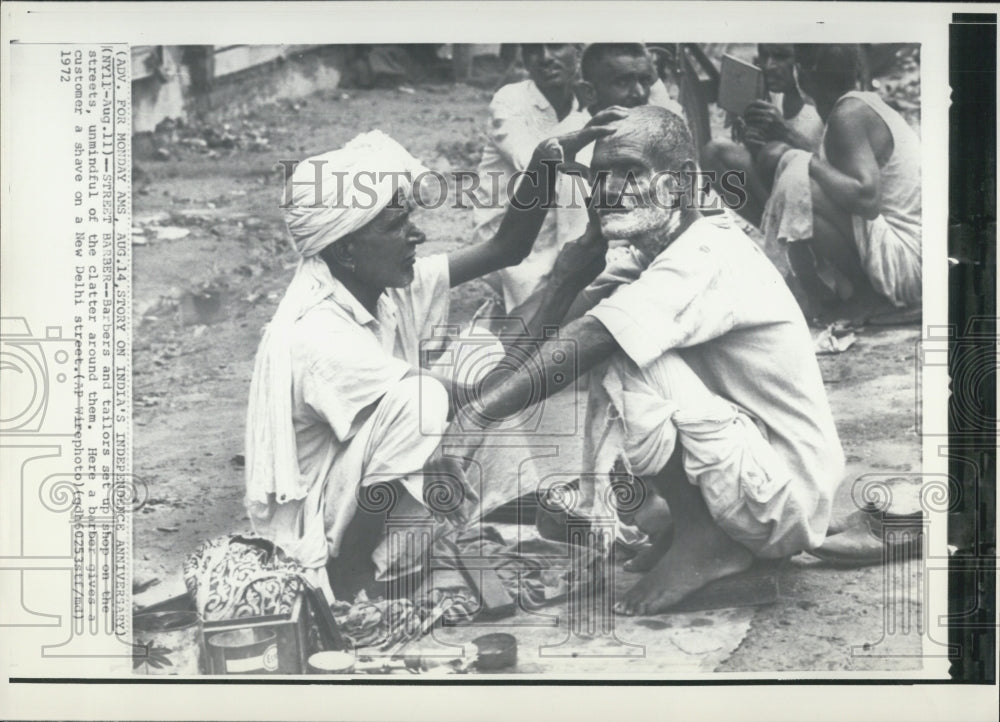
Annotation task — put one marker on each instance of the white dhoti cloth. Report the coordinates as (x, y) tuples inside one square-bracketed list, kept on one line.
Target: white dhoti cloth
[(717, 359), (385, 448), (392, 444), (891, 260), (641, 415), (788, 212)]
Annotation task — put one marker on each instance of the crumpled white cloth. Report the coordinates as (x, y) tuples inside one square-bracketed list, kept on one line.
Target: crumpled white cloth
[(788, 213), (647, 412), (372, 160)]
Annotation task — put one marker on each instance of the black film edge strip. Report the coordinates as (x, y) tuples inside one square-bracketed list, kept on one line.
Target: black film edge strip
[(972, 346)]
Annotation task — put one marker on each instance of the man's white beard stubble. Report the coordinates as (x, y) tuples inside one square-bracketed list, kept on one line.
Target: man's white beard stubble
[(647, 227)]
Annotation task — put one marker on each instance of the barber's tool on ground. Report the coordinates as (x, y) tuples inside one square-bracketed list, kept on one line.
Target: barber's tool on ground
[(331, 663), (493, 652), (431, 620)]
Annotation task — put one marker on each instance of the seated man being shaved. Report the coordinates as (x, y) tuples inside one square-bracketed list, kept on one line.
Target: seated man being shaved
[(704, 383), (338, 400)]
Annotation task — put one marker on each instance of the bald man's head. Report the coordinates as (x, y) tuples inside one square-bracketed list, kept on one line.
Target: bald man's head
[(645, 168), (661, 136)]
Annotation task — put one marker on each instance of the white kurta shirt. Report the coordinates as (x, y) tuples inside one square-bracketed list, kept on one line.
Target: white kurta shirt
[(344, 359), (713, 296)]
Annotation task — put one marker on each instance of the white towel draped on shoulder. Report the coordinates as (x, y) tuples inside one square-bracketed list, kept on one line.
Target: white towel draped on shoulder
[(371, 162)]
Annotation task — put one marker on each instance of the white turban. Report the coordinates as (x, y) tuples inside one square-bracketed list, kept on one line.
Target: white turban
[(355, 183)]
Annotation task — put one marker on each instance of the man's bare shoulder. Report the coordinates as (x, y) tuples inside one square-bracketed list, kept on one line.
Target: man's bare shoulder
[(852, 119), (849, 116)]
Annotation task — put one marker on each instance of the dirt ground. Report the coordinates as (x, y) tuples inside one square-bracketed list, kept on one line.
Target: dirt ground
[(211, 261)]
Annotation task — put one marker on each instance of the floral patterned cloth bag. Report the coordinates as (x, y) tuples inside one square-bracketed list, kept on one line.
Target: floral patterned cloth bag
[(242, 575)]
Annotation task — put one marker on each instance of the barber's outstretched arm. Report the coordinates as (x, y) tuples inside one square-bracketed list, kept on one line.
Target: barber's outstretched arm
[(526, 210), (587, 337), (578, 264)]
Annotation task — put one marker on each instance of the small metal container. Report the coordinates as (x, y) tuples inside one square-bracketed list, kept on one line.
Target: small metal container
[(243, 651)]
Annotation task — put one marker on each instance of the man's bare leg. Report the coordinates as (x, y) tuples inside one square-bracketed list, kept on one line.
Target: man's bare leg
[(720, 156), (654, 519), (701, 552), (647, 558), (833, 240), (353, 569)]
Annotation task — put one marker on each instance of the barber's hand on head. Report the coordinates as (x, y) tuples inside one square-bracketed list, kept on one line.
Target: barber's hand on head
[(596, 127), (767, 118)]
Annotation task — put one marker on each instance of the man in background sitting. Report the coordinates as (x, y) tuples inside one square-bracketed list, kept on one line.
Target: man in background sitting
[(850, 213), (623, 75), (785, 116), (521, 115)]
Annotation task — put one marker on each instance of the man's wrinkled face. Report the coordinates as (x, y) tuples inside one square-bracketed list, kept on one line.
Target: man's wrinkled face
[(623, 80), (385, 250), (640, 203), (551, 66), (778, 64)]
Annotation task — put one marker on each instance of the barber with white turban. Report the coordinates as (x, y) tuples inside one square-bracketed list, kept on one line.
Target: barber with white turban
[(338, 400)]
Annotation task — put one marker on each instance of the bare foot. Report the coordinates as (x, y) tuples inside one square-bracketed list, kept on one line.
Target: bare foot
[(861, 540), (839, 524), (649, 555), (697, 557)]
